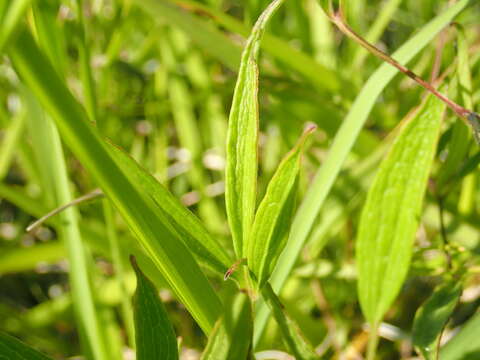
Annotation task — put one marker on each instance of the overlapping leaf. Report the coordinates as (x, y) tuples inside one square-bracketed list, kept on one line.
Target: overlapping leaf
[(242, 139), (273, 217), (159, 241), (232, 337)]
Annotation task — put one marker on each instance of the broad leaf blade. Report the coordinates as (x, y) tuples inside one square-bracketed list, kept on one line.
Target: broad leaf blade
[(465, 344), (242, 139), (13, 349), (432, 316), (154, 335), (391, 213), (161, 244), (273, 218), (231, 338)]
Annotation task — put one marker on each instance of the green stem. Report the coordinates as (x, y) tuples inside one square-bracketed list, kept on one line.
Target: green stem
[(372, 342)]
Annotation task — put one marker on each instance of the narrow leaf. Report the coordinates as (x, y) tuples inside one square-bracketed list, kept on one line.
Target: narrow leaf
[(231, 338), (431, 318), (13, 349), (160, 242), (291, 333), (189, 228), (242, 139), (154, 333), (273, 218), (391, 213)]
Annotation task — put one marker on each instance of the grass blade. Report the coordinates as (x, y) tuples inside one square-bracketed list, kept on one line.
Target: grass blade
[(242, 140), (232, 337), (391, 213), (272, 220), (432, 317), (13, 349), (342, 144), (154, 333), (169, 255), (189, 228)]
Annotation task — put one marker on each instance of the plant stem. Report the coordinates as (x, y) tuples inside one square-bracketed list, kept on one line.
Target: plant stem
[(372, 342), (470, 117)]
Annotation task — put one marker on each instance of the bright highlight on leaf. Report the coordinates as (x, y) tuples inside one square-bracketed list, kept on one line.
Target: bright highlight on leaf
[(242, 139), (391, 213)]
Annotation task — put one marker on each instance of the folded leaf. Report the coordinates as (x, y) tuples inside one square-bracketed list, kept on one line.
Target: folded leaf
[(242, 139), (274, 215), (432, 316), (231, 338), (13, 349), (154, 335), (392, 210)]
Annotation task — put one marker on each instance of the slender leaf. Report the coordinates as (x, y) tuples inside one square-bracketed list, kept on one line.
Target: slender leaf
[(231, 338), (341, 147), (13, 349), (159, 241), (242, 139), (11, 20), (432, 316), (274, 215), (291, 333), (154, 333), (189, 228), (391, 213)]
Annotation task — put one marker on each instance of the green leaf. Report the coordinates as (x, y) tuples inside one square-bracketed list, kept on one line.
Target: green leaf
[(242, 139), (11, 19), (154, 335), (160, 242), (231, 338), (274, 214), (392, 210), (465, 344), (432, 316), (321, 185), (172, 212), (13, 349), (291, 333)]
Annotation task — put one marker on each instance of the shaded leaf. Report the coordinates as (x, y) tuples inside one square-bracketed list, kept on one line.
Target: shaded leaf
[(274, 214), (432, 316), (392, 210), (242, 139), (231, 338), (154, 335), (291, 333), (13, 349)]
